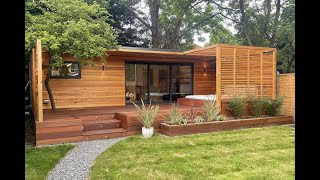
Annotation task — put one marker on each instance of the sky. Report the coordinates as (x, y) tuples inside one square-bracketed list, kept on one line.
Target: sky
[(196, 36)]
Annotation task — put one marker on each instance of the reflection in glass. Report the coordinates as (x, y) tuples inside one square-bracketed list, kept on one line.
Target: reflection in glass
[(136, 83), (181, 84), (159, 83)]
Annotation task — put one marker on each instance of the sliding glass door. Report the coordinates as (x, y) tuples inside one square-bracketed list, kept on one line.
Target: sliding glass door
[(181, 81), (136, 82), (158, 82)]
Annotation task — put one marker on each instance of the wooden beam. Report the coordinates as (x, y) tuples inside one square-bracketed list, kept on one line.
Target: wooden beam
[(218, 78), (39, 71), (234, 71), (200, 49), (274, 75), (144, 51), (246, 47), (261, 73)]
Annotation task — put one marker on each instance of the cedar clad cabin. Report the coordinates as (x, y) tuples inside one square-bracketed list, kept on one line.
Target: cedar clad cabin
[(88, 98)]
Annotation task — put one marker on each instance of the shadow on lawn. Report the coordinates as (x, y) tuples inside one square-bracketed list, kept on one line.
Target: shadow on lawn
[(30, 130)]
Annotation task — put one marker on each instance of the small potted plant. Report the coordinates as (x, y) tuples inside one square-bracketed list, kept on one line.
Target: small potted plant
[(146, 116)]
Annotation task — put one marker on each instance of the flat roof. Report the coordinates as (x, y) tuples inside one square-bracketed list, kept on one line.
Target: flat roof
[(150, 49)]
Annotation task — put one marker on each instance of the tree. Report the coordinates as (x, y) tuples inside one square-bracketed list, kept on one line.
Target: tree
[(263, 23), (130, 31), (68, 26), (221, 35), (285, 41), (173, 23), (256, 22)]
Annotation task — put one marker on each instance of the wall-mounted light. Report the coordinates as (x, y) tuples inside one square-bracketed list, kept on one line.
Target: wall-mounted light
[(46, 101), (103, 68)]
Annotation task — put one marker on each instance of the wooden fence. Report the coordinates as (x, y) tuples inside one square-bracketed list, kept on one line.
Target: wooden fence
[(286, 88)]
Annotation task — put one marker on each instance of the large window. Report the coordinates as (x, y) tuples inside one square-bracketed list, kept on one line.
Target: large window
[(158, 82), (70, 69)]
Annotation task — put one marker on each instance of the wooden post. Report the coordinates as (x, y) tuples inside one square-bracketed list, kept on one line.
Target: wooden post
[(39, 71), (261, 74), (248, 68), (274, 75), (218, 77), (33, 84), (234, 71)]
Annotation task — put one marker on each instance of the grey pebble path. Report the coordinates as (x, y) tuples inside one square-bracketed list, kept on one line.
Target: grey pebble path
[(77, 162)]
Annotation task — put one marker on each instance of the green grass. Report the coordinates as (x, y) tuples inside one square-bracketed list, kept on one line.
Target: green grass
[(260, 153), (40, 160)]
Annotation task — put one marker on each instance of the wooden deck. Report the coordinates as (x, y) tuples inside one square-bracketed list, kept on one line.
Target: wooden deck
[(81, 124)]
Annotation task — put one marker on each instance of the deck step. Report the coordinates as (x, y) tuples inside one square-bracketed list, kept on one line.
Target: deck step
[(91, 125), (96, 116), (109, 121), (104, 131), (50, 124)]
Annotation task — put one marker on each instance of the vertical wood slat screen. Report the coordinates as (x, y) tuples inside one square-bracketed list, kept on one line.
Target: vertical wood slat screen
[(247, 71)]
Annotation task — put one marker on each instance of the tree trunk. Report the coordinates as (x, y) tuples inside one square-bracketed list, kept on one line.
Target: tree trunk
[(52, 103), (154, 6), (266, 23), (276, 23), (290, 63), (244, 23)]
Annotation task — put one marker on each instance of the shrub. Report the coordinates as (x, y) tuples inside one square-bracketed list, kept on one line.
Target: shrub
[(221, 117), (146, 115), (198, 119), (272, 107), (257, 106), (175, 116), (210, 111), (236, 106), (191, 115)]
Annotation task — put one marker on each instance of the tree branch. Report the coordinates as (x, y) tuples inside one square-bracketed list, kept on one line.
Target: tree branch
[(222, 7), (194, 26), (284, 2), (195, 4), (233, 20), (139, 18)]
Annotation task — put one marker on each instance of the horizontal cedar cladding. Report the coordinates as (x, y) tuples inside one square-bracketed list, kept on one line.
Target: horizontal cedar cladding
[(97, 87)]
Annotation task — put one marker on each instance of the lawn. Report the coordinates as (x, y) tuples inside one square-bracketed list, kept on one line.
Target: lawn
[(260, 153), (40, 160)]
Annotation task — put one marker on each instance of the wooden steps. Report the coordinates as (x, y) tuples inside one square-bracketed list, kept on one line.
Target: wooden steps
[(73, 128), (93, 124), (104, 131), (104, 134)]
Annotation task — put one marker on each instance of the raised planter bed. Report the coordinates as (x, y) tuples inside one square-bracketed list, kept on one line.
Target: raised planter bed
[(194, 128)]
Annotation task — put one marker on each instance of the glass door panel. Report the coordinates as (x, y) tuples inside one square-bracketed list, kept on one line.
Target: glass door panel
[(159, 83), (181, 84), (136, 82)]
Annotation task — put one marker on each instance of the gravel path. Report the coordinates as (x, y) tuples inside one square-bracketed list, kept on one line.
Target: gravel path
[(77, 163)]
